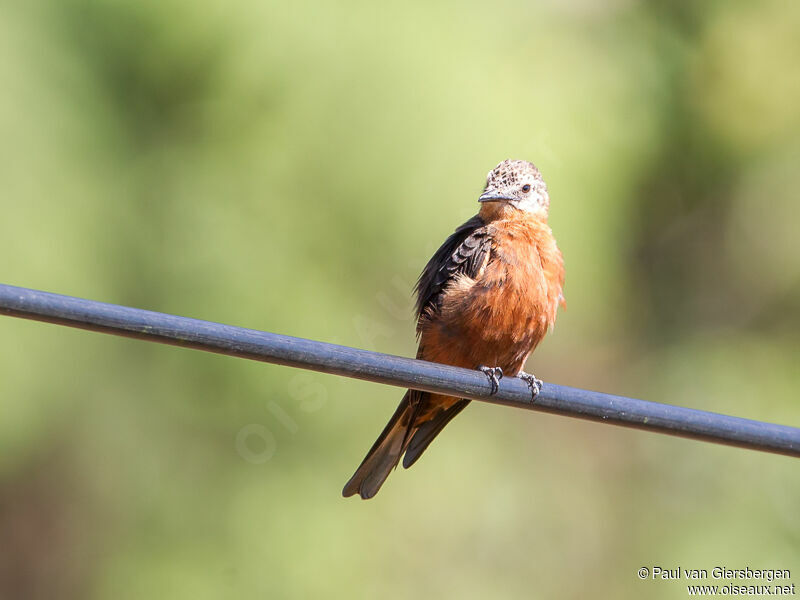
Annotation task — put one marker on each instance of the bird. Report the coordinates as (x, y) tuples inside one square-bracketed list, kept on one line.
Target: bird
[(485, 300)]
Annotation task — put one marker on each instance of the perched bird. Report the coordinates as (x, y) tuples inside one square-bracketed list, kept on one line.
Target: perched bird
[(484, 301)]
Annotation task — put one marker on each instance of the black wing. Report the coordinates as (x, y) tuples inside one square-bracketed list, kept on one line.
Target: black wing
[(465, 251)]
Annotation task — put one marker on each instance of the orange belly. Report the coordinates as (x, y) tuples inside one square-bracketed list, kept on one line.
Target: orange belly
[(499, 317)]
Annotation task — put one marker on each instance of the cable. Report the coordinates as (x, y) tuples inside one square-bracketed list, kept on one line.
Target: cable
[(395, 370)]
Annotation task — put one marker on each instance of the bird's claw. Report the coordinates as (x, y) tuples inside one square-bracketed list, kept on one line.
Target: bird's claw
[(494, 375), (534, 384)]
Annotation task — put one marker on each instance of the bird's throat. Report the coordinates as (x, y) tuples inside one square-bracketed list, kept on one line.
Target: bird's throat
[(491, 211)]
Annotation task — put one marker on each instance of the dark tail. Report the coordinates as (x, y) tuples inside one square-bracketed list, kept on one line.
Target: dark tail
[(385, 452), (425, 433), (403, 433)]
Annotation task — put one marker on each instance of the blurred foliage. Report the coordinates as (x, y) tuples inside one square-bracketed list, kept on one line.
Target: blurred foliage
[(290, 166)]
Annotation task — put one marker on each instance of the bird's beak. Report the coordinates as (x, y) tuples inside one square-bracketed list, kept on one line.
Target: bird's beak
[(492, 196)]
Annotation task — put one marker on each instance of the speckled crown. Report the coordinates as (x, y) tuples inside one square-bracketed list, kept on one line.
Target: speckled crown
[(509, 171)]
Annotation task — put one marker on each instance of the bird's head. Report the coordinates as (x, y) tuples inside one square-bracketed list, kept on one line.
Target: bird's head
[(516, 183)]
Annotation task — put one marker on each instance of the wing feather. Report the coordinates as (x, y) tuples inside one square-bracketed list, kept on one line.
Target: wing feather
[(463, 253)]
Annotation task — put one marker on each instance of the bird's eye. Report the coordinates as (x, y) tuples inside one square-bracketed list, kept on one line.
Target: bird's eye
[(526, 188)]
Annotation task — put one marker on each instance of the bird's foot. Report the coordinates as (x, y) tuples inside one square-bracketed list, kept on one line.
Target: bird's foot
[(494, 375), (534, 384)]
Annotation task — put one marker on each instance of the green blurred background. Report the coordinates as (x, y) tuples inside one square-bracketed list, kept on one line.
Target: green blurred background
[(290, 166)]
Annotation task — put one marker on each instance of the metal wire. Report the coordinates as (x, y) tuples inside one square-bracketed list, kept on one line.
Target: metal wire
[(395, 370)]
